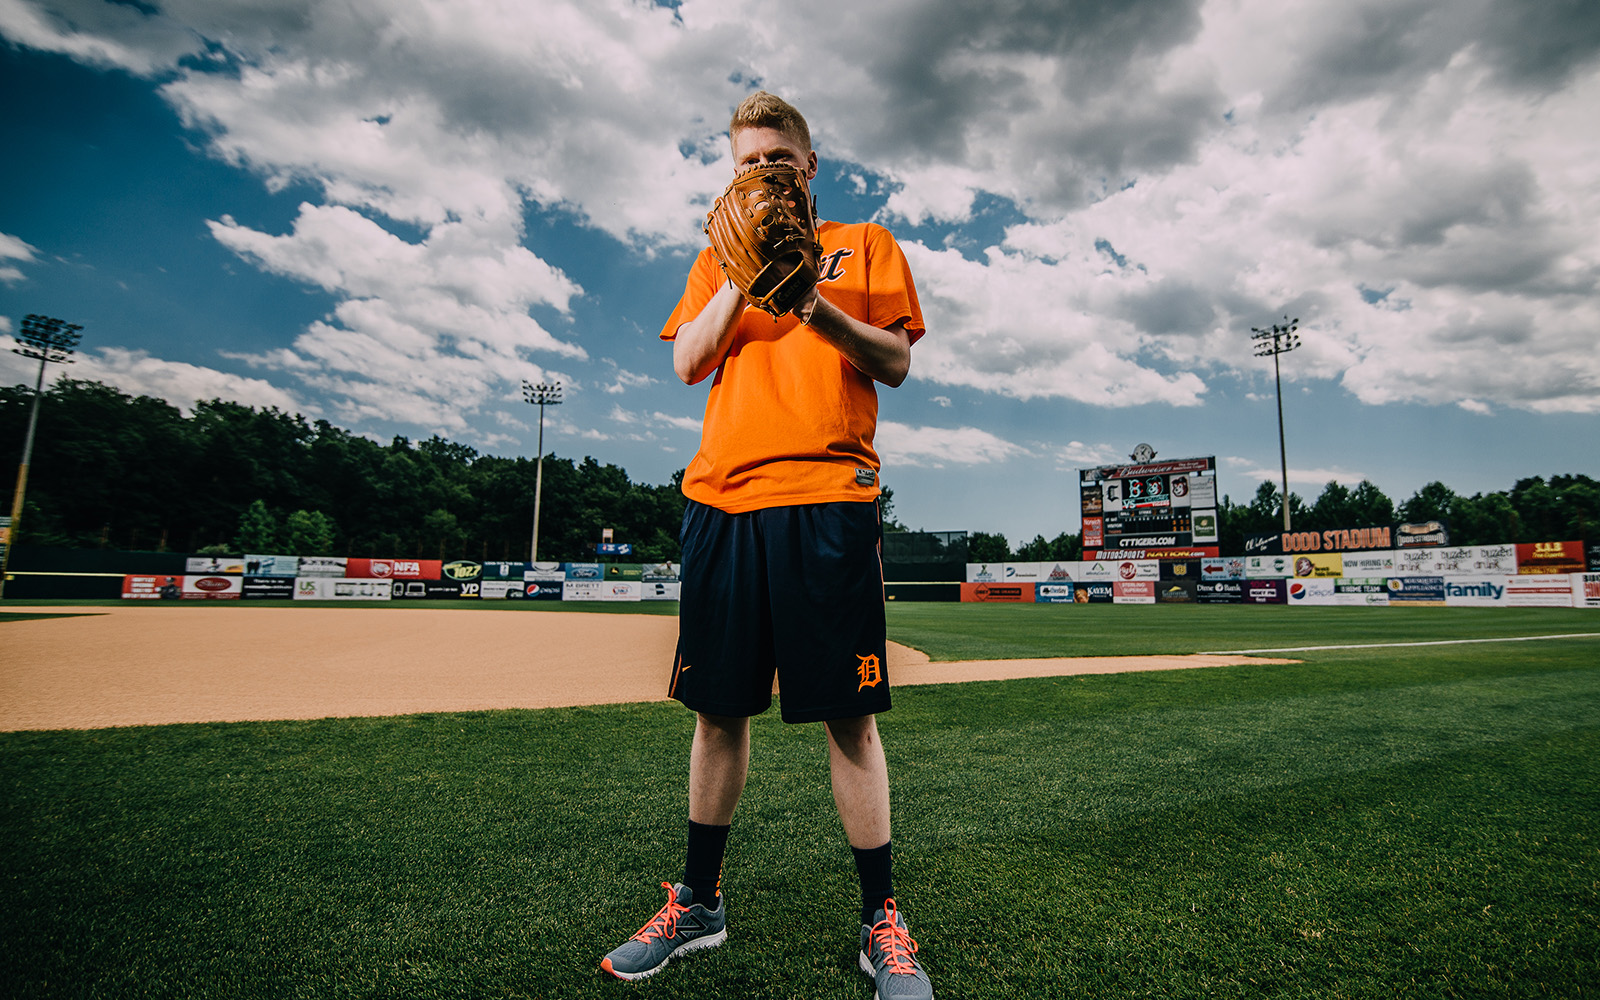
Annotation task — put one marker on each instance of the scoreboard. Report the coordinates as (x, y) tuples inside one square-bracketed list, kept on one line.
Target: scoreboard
[(1150, 505)]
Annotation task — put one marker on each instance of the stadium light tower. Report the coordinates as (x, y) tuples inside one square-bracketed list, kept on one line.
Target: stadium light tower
[(49, 340), (543, 394), (1281, 338)]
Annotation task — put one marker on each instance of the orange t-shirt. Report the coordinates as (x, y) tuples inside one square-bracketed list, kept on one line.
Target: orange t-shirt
[(789, 420)]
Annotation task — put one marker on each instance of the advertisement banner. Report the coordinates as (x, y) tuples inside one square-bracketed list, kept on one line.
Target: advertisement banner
[(269, 588), (1372, 591), (1412, 562), (321, 588), (1219, 592), (413, 590), (321, 566), (214, 564), (1586, 590), (984, 572), (1179, 569), (1093, 593), (1145, 569), (1202, 492), (584, 571), (505, 570), (659, 571), (624, 571), (1060, 572), (660, 590), (1453, 560), (1222, 568), (1053, 593), (1099, 571), (393, 569), (152, 588), (262, 565), (621, 590), (1161, 552), (542, 590), (212, 587), (462, 570), (1366, 539), (1093, 532), (544, 572), (1539, 590), (1550, 557), (1323, 564), (1178, 486), (500, 590), (1364, 564), (1267, 567), (1025, 572), (1177, 591), (998, 593), (1204, 523), (1475, 591), (1112, 504), (1495, 559), (1416, 590), (1134, 592), (1426, 534), (1266, 591), (1312, 591), (581, 590), (1090, 501)]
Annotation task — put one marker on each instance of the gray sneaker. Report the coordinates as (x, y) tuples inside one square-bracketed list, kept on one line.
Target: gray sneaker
[(888, 955), (677, 929)]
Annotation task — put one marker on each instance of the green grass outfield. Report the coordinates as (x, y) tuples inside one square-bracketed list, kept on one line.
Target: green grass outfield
[(1417, 821)]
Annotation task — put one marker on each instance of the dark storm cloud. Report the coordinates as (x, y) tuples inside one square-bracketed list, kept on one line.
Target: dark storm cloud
[(1170, 307), (1541, 43)]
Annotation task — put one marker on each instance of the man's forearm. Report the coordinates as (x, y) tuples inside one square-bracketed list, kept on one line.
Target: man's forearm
[(702, 343), (883, 355)]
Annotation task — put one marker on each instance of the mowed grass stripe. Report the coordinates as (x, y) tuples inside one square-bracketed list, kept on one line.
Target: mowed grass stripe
[(1419, 822), (1398, 645)]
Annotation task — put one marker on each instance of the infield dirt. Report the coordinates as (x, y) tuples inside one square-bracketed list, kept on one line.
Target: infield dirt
[(144, 665)]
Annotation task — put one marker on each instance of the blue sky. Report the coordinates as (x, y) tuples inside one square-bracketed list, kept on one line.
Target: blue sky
[(387, 214)]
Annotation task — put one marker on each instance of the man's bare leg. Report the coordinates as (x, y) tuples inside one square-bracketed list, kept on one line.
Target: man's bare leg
[(719, 762), (860, 780)]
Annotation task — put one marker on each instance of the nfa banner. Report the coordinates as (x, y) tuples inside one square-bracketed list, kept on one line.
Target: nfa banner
[(393, 569), (1550, 557)]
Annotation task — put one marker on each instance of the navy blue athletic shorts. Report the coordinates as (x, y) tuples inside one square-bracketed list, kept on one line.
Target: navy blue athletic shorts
[(793, 590)]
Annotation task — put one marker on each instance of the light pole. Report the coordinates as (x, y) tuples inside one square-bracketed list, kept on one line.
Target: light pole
[(49, 340), (1280, 339), (543, 394)]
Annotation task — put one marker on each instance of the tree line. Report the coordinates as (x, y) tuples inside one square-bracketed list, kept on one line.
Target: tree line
[(133, 472), (114, 470)]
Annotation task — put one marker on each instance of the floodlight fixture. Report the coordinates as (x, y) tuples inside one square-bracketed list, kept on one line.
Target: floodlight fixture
[(1280, 338), (539, 394), (50, 341)]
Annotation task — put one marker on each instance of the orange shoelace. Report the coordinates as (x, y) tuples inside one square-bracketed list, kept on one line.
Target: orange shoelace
[(894, 941), (665, 923)]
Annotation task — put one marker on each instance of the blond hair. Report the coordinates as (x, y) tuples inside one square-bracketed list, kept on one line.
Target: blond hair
[(764, 110)]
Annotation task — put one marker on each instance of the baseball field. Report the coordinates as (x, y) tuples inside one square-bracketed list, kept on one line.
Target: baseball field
[(381, 802)]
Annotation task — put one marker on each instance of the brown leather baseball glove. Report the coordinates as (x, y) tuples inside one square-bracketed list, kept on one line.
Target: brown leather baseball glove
[(763, 231)]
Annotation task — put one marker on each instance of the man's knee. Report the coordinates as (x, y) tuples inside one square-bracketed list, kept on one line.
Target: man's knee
[(855, 734)]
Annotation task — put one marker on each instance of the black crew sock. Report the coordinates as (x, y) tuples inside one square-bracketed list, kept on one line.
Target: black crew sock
[(702, 872), (877, 881)]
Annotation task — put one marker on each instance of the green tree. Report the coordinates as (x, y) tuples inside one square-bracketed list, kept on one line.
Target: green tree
[(983, 547), (1431, 503), (258, 530), (1369, 506), (309, 533), (440, 528), (886, 511), (1037, 550), (1066, 548)]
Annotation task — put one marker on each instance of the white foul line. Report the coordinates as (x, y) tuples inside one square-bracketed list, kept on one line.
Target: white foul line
[(1385, 645)]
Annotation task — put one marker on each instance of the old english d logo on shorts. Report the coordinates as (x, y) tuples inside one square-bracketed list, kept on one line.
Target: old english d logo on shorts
[(870, 670)]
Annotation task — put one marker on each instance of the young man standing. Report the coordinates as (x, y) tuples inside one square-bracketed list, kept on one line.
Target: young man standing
[(781, 570)]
